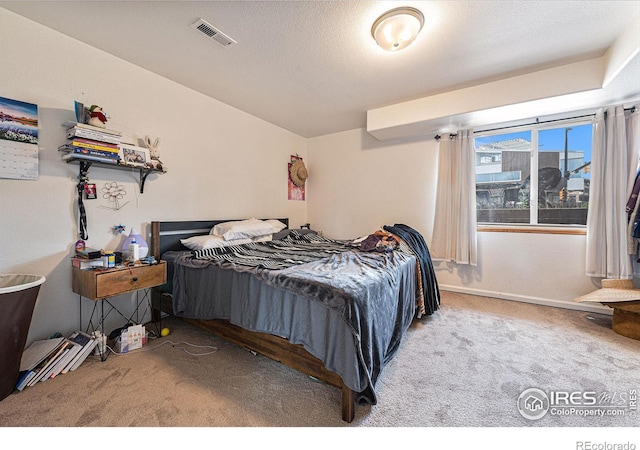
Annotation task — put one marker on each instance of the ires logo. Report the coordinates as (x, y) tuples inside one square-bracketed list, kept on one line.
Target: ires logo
[(534, 403), (563, 398)]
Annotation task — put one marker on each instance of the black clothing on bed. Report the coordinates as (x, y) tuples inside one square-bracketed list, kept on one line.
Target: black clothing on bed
[(416, 242)]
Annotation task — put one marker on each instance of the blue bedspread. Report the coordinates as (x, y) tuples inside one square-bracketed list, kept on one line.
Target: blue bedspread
[(369, 294)]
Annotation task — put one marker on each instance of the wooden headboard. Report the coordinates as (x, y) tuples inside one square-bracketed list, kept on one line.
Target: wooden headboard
[(165, 236)]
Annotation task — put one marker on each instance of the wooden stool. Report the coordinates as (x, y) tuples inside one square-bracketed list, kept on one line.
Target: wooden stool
[(626, 318)]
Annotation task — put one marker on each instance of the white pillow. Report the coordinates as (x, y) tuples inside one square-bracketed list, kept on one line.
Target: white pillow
[(276, 224), (210, 241), (242, 229)]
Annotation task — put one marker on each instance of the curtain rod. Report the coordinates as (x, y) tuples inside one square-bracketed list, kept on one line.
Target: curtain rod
[(437, 137)]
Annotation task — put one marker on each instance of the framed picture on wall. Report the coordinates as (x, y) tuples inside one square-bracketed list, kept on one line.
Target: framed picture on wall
[(90, 191), (132, 155)]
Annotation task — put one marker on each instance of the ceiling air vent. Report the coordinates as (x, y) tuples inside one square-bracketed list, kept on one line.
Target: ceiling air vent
[(213, 33)]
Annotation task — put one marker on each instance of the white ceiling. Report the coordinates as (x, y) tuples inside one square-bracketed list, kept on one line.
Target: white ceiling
[(312, 67)]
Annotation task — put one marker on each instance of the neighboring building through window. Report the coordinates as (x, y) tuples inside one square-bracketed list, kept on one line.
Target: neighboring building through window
[(536, 175)]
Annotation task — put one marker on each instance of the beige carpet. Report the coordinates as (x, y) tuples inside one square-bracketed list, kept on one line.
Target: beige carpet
[(465, 366)]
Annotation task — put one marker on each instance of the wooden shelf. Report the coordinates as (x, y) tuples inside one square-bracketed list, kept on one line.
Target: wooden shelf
[(85, 164)]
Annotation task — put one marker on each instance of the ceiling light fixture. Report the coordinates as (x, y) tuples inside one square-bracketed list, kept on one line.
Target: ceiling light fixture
[(397, 28)]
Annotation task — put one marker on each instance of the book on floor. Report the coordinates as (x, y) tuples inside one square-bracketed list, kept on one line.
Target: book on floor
[(85, 341), (47, 358), (84, 353), (46, 364), (74, 349), (38, 351), (54, 365), (25, 377)]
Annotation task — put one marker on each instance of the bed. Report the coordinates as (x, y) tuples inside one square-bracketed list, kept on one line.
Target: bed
[(325, 308)]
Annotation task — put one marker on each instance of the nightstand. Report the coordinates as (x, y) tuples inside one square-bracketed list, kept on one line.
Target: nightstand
[(99, 285)]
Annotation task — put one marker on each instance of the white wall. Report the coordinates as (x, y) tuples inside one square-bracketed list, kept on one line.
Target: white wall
[(222, 162), (358, 184)]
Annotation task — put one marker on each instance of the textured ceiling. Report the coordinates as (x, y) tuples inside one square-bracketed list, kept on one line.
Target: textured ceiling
[(312, 67)]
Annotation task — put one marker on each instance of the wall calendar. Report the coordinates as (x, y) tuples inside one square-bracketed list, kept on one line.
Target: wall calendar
[(18, 140)]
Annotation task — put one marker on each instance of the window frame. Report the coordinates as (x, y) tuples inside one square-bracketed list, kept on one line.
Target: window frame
[(533, 226)]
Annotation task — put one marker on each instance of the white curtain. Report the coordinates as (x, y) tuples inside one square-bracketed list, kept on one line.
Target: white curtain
[(613, 169), (454, 231)]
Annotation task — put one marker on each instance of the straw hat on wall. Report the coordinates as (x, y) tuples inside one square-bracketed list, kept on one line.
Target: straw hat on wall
[(298, 173)]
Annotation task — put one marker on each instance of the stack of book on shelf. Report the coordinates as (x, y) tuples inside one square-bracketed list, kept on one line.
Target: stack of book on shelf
[(88, 259), (48, 358), (91, 143)]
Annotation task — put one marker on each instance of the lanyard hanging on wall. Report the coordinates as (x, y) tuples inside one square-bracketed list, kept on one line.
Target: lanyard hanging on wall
[(83, 178)]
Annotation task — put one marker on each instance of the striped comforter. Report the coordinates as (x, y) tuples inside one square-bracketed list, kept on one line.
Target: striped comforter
[(291, 251)]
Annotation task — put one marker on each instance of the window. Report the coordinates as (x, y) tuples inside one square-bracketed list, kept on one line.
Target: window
[(536, 175)]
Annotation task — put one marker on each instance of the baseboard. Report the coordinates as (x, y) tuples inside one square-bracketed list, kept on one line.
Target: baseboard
[(587, 307)]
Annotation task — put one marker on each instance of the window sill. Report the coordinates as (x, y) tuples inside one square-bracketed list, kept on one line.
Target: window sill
[(530, 229)]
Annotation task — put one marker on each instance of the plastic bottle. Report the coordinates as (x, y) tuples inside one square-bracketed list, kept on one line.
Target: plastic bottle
[(109, 259), (134, 251), (101, 346)]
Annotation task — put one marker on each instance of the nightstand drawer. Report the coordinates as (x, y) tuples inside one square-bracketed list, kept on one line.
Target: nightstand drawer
[(97, 284)]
